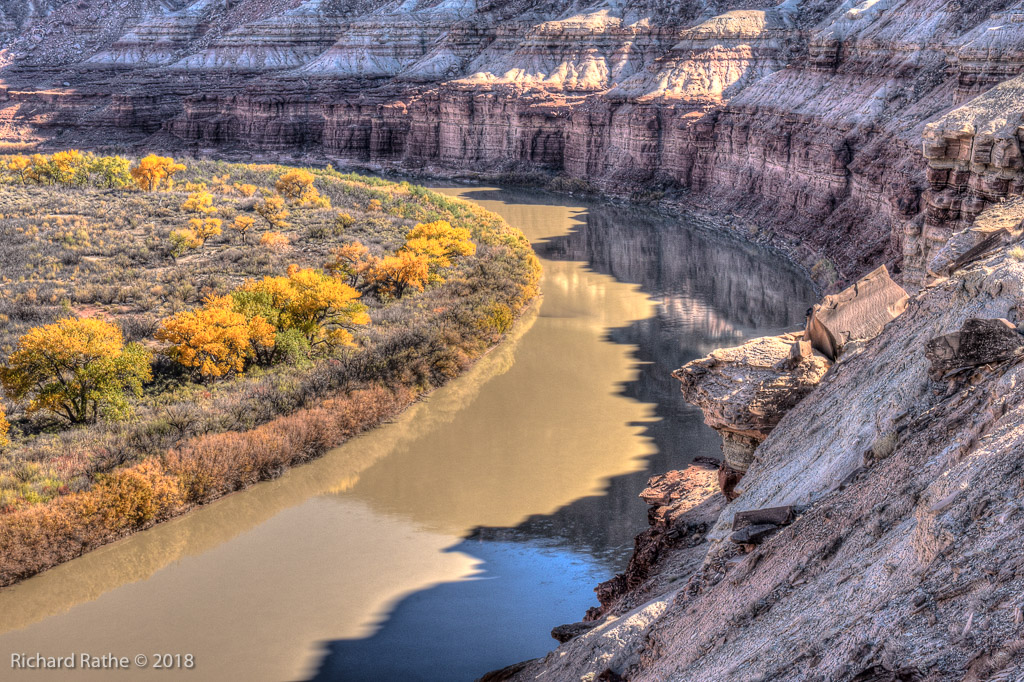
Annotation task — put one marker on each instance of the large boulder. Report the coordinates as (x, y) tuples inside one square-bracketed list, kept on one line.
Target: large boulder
[(745, 391), (857, 313)]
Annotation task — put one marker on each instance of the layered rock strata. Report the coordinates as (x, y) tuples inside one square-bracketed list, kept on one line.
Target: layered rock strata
[(902, 561), (803, 117)]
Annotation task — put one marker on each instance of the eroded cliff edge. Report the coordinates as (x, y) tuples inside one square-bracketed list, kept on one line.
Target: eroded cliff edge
[(898, 554), (805, 116)]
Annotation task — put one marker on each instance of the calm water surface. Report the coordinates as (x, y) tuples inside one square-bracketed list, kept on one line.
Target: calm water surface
[(450, 542)]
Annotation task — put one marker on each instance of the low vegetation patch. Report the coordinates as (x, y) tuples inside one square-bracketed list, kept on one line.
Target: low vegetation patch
[(171, 331)]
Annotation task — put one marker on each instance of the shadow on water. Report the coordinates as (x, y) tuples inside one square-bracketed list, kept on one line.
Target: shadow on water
[(710, 291), (463, 629)]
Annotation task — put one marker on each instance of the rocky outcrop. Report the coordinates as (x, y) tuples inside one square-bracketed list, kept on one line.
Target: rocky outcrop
[(684, 506), (855, 314), (903, 473), (745, 391), (974, 161), (996, 226), (979, 342)]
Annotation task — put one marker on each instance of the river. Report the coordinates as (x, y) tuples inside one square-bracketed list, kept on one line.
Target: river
[(449, 542)]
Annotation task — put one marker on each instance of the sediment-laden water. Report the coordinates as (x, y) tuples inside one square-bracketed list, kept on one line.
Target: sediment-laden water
[(451, 541)]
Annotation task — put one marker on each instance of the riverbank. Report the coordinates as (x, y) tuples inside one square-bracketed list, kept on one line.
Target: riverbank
[(181, 449), (697, 209), (892, 489), (523, 471)]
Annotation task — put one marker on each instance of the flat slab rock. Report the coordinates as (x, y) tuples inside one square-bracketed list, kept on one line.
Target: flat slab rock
[(779, 516), (563, 633), (753, 535), (857, 313), (747, 389)]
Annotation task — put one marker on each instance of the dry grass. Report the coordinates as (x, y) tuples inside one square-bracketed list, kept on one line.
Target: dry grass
[(106, 253)]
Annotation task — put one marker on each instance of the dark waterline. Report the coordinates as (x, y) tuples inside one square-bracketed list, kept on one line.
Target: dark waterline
[(449, 542), (711, 291)]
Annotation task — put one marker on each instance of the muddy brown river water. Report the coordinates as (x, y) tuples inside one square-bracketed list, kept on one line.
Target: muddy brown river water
[(449, 542)]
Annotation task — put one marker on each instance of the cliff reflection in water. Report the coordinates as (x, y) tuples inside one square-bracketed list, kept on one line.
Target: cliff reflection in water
[(711, 291), (705, 291)]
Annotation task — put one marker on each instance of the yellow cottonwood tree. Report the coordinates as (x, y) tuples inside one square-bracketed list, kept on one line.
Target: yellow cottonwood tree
[(76, 369), (204, 228), (182, 241), (351, 262), (153, 172), (215, 340), (323, 308), (394, 275), (275, 241), (242, 225), (440, 242), (5, 428), (20, 167), (70, 167), (295, 184), (246, 190), (273, 211), (199, 202)]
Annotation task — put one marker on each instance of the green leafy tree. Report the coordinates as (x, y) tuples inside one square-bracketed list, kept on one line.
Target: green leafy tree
[(111, 172), (76, 369)]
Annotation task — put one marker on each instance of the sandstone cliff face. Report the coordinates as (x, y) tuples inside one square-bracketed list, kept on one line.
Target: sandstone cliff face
[(805, 117), (904, 471)]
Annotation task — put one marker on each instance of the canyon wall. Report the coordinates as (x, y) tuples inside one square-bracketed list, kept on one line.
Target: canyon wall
[(805, 117), (889, 505)]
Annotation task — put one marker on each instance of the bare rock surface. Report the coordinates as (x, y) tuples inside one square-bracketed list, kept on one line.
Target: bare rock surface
[(857, 313), (745, 391), (684, 505), (804, 118), (979, 342), (903, 562)]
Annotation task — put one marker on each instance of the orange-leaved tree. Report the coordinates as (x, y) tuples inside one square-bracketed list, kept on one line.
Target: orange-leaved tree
[(275, 241), (395, 275), (219, 184), (322, 307), (351, 262), (215, 340), (295, 184), (153, 172), (77, 369)]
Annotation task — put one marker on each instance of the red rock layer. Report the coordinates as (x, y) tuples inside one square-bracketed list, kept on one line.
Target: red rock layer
[(806, 119)]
